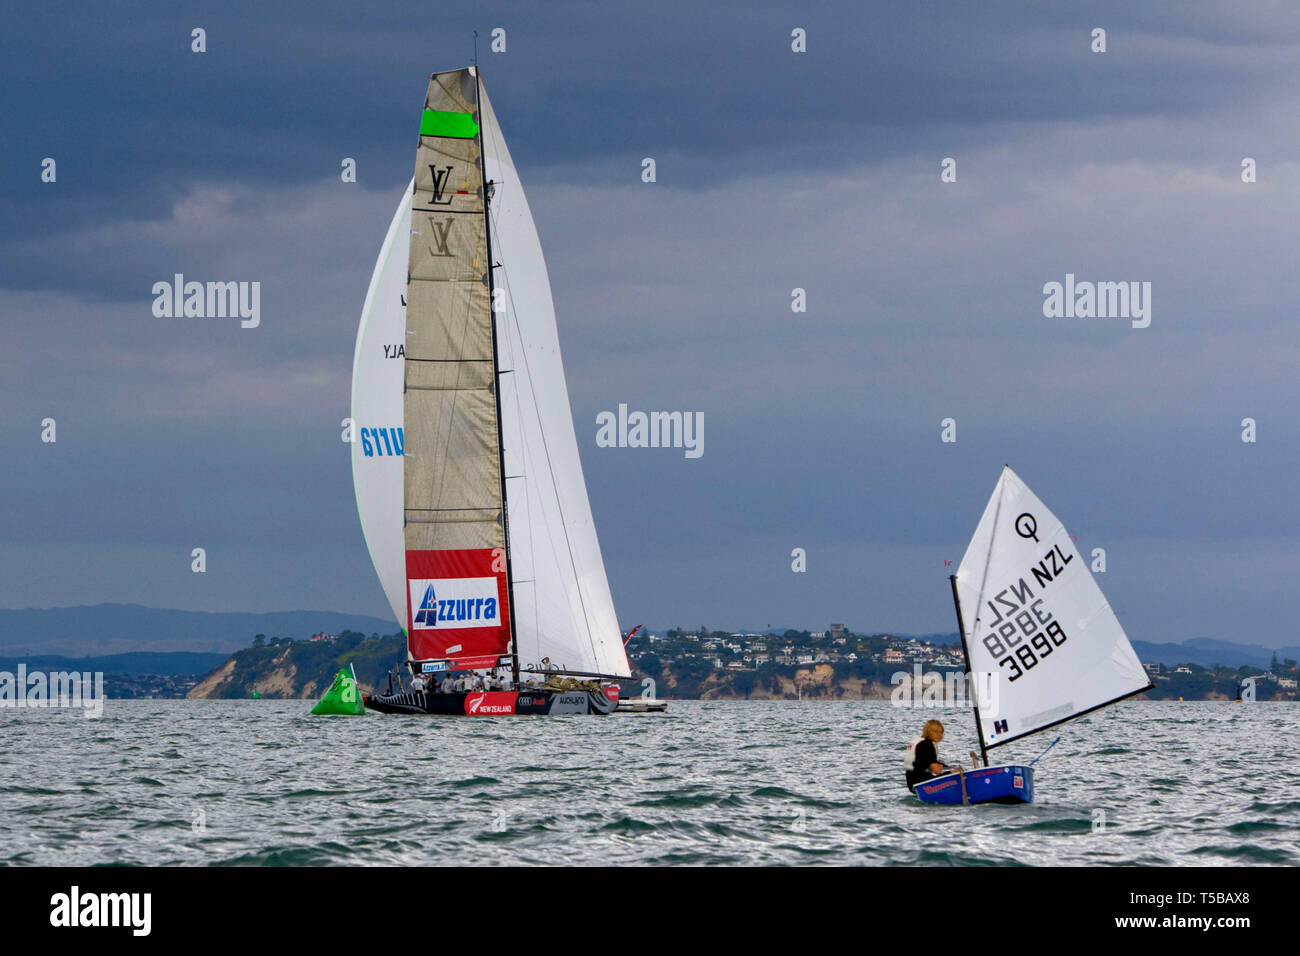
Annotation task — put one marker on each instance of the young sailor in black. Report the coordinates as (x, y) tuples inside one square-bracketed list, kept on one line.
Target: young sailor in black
[(923, 761)]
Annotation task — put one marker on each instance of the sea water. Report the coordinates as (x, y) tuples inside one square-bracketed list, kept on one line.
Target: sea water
[(261, 782)]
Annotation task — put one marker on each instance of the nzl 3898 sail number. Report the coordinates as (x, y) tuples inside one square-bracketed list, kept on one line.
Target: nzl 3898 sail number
[(1034, 624)]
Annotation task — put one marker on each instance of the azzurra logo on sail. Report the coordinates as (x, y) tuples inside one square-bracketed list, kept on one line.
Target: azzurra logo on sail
[(381, 441), (448, 603)]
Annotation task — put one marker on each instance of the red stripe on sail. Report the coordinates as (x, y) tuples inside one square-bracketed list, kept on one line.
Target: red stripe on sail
[(457, 604)]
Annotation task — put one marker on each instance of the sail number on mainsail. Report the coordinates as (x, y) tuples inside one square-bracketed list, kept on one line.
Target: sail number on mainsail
[(1026, 632)]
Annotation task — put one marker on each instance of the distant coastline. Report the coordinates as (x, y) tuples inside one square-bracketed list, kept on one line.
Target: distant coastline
[(709, 665), (840, 665), (153, 652)]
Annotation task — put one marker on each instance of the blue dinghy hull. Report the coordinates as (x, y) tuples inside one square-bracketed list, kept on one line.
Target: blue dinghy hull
[(1002, 784)]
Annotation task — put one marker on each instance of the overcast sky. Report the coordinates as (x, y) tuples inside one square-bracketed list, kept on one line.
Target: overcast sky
[(775, 170)]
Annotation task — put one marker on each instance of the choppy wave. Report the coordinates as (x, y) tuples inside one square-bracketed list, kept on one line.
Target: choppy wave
[(258, 783)]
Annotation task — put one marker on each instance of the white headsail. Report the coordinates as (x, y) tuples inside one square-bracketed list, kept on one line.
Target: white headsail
[(564, 610), (1034, 616)]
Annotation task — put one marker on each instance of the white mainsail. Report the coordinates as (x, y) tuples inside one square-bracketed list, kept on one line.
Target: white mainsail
[(377, 369), (449, 482), (1034, 615)]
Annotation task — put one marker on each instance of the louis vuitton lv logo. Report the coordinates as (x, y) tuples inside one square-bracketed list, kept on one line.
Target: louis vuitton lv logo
[(441, 232), (440, 179)]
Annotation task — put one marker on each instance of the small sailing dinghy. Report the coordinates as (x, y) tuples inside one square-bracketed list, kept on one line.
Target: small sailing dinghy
[(465, 461), (1031, 614)]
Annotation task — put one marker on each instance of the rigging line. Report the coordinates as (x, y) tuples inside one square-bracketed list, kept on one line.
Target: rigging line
[(551, 468)]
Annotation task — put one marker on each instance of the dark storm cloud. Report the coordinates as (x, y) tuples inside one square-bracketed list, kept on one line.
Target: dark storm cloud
[(775, 170), (134, 117)]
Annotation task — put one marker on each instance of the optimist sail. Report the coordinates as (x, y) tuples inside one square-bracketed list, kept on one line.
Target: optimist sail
[(1034, 616), (482, 534)]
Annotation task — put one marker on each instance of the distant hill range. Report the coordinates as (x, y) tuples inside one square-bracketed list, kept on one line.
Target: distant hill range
[(1205, 651), (304, 669), (140, 662), (1208, 652), (111, 629)]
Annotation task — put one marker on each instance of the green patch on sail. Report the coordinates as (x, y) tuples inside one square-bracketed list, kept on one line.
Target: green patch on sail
[(342, 697), (452, 125)]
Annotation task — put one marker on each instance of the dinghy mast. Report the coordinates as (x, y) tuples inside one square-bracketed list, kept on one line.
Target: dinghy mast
[(974, 683)]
